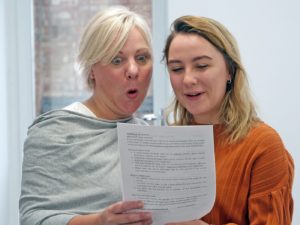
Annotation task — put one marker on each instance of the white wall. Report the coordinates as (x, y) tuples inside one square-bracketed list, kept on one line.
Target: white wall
[(268, 34), (16, 100), (3, 125)]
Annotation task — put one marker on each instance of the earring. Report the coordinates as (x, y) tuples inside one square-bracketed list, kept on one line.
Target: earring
[(228, 85)]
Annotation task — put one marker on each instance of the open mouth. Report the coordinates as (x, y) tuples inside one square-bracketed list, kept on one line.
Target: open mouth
[(195, 94), (132, 93)]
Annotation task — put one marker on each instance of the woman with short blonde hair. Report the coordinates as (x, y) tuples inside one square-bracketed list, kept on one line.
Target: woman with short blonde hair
[(71, 168)]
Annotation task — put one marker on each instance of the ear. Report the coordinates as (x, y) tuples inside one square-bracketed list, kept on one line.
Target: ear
[(229, 76), (92, 76)]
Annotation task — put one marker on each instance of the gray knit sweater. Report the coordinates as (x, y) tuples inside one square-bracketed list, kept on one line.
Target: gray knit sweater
[(71, 166)]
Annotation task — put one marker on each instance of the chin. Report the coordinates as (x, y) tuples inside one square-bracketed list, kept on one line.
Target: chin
[(198, 113), (130, 110)]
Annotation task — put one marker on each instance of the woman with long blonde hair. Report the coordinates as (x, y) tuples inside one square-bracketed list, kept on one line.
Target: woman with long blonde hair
[(254, 171)]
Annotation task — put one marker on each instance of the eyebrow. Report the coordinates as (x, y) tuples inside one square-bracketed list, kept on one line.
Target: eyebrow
[(138, 51), (143, 50), (172, 61)]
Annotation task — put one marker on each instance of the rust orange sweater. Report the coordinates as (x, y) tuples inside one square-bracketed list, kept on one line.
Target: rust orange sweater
[(254, 180)]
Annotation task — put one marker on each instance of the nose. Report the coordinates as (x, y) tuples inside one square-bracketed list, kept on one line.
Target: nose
[(132, 70), (189, 79)]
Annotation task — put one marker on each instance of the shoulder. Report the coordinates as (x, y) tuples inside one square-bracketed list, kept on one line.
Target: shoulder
[(269, 147), (61, 122), (265, 148), (52, 124), (266, 141), (272, 166), (49, 116), (262, 128), (55, 115), (263, 134)]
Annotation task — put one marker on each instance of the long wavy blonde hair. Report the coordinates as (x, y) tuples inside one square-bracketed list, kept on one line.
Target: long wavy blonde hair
[(237, 113)]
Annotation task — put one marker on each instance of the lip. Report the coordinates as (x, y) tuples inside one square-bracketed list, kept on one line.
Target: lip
[(194, 95), (132, 93)]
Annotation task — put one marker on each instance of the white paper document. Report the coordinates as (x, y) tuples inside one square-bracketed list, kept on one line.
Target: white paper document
[(171, 169)]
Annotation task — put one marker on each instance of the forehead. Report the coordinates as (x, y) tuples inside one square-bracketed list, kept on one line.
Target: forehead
[(191, 45), (135, 40)]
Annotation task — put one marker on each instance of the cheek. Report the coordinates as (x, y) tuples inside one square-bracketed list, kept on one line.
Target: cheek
[(99, 81), (177, 85), (219, 79), (148, 71), (146, 76)]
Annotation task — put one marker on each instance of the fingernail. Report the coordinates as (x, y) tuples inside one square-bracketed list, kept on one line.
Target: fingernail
[(148, 215), (140, 204)]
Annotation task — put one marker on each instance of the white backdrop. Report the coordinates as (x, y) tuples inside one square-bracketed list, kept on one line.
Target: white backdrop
[(268, 33), (16, 100)]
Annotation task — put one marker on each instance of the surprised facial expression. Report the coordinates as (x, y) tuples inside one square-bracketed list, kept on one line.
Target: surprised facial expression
[(121, 86)]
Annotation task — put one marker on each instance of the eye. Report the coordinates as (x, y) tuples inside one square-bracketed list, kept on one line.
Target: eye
[(117, 60), (142, 59), (176, 69), (201, 66)]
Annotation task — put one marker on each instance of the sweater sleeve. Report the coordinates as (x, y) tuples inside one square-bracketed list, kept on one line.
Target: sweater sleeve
[(41, 194), (270, 201)]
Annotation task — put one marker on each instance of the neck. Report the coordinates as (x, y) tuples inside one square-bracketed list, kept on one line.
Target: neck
[(201, 121)]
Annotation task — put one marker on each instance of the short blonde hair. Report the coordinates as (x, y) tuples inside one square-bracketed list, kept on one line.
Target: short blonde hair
[(105, 35), (237, 112)]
